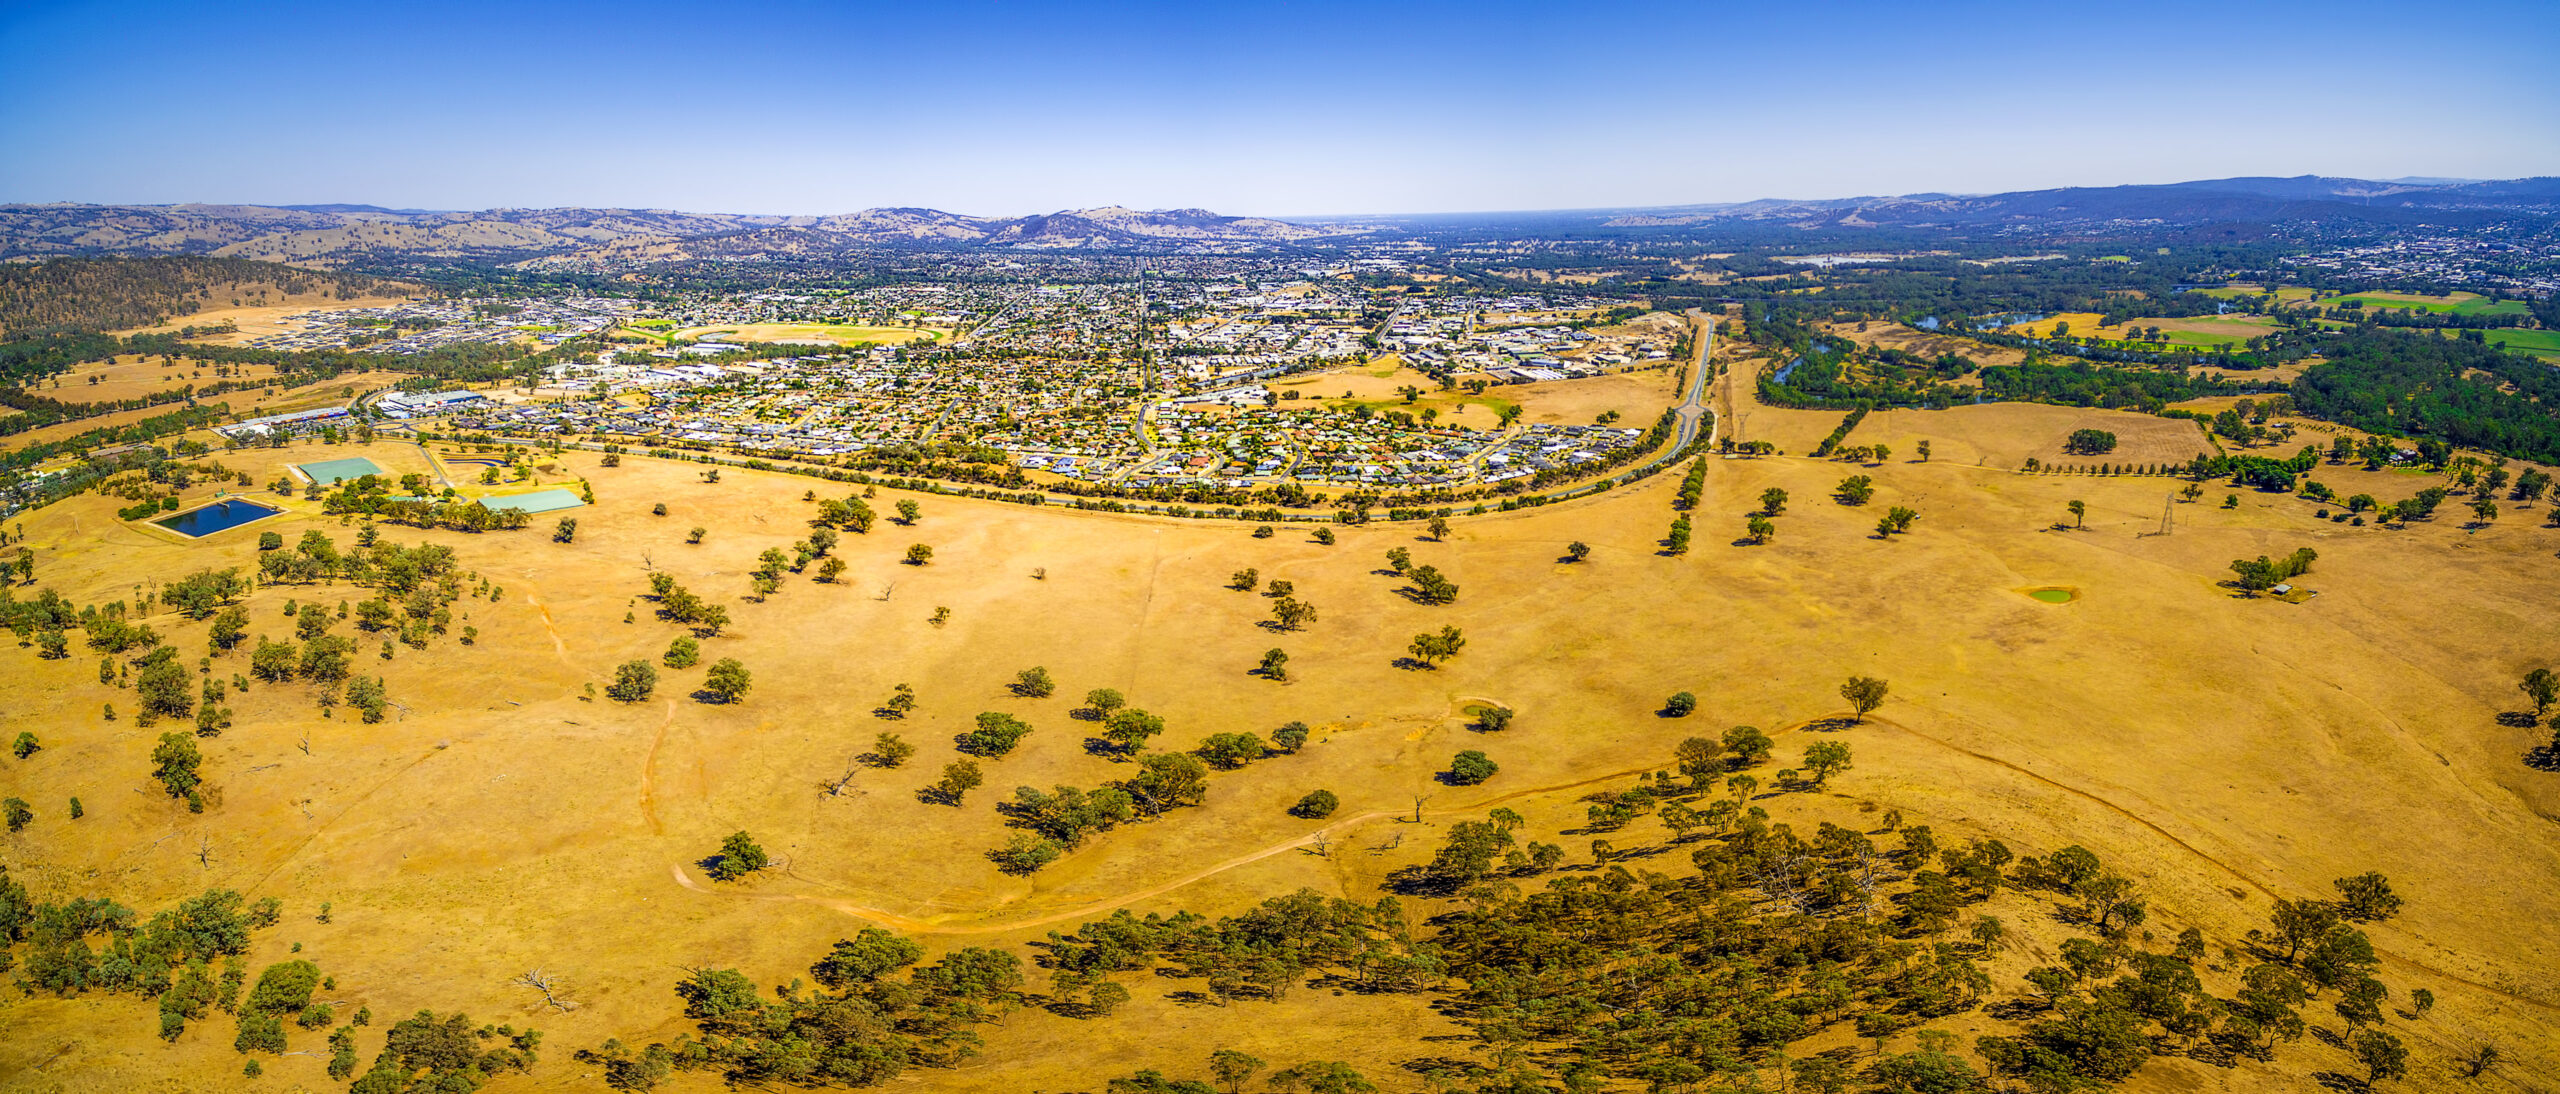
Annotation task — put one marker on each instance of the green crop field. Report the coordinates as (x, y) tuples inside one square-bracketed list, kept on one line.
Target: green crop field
[(2461, 303), (2540, 343)]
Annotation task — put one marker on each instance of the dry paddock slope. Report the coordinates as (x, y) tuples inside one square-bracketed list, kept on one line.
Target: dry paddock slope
[(2222, 751)]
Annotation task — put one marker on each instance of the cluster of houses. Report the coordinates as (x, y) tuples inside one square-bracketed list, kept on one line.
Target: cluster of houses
[(1155, 378), (1522, 339), (422, 325), (2521, 267)]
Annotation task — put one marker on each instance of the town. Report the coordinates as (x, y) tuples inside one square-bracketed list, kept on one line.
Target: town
[(1215, 376)]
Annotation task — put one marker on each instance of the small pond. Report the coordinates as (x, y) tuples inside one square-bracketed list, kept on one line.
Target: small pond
[(216, 517), (2054, 594)]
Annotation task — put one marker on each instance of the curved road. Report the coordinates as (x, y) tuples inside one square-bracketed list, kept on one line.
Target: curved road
[(1691, 411)]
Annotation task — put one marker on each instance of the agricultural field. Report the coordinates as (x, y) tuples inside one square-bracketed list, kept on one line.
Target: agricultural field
[(2202, 330), (2220, 751), (2460, 303), (2540, 343)]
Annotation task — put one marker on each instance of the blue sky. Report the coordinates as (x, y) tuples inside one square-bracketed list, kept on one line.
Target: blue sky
[(1275, 108)]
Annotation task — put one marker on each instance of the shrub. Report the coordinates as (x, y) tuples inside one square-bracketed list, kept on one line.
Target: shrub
[(1317, 805), (1680, 705)]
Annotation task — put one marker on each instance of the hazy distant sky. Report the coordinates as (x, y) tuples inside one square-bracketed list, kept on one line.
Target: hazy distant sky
[(1274, 108)]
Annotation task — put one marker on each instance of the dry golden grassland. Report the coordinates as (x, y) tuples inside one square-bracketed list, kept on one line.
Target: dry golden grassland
[(1638, 396), (131, 376), (260, 320), (2221, 751)]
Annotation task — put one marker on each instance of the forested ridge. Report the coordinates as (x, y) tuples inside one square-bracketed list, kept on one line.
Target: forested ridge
[(72, 294)]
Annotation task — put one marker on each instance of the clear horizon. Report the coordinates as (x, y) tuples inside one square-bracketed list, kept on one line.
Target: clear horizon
[(1299, 109)]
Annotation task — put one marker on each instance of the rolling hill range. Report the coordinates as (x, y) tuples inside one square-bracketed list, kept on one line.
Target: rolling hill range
[(332, 235), (337, 235), (2262, 200)]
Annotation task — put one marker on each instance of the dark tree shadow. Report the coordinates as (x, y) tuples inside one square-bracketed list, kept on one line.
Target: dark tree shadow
[(934, 795), (2542, 758), (2016, 1010), (1413, 664), (2336, 1080), (1419, 881), (2518, 719)]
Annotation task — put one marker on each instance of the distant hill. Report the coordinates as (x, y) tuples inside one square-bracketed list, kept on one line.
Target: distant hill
[(2233, 199), (328, 236), (331, 235)]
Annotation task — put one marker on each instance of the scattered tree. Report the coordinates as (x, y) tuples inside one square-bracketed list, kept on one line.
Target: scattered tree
[(1864, 693), (739, 856), (1471, 767), (632, 682), (1826, 758), (959, 777), (2542, 687), (728, 680), (1292, 613), (891, 749), (1431, 649)]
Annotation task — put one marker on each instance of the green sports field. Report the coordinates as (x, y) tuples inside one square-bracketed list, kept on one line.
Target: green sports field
[(333, 472), (539, 501)]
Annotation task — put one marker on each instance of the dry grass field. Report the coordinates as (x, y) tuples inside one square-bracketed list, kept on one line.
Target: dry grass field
[(2221, 751), (839, 334), (1927, 344), (260, 320), (1637, 396), (131, 376)]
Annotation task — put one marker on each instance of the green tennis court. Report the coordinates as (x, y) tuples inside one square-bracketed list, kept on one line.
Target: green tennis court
[(333, 472), (539, 501)]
